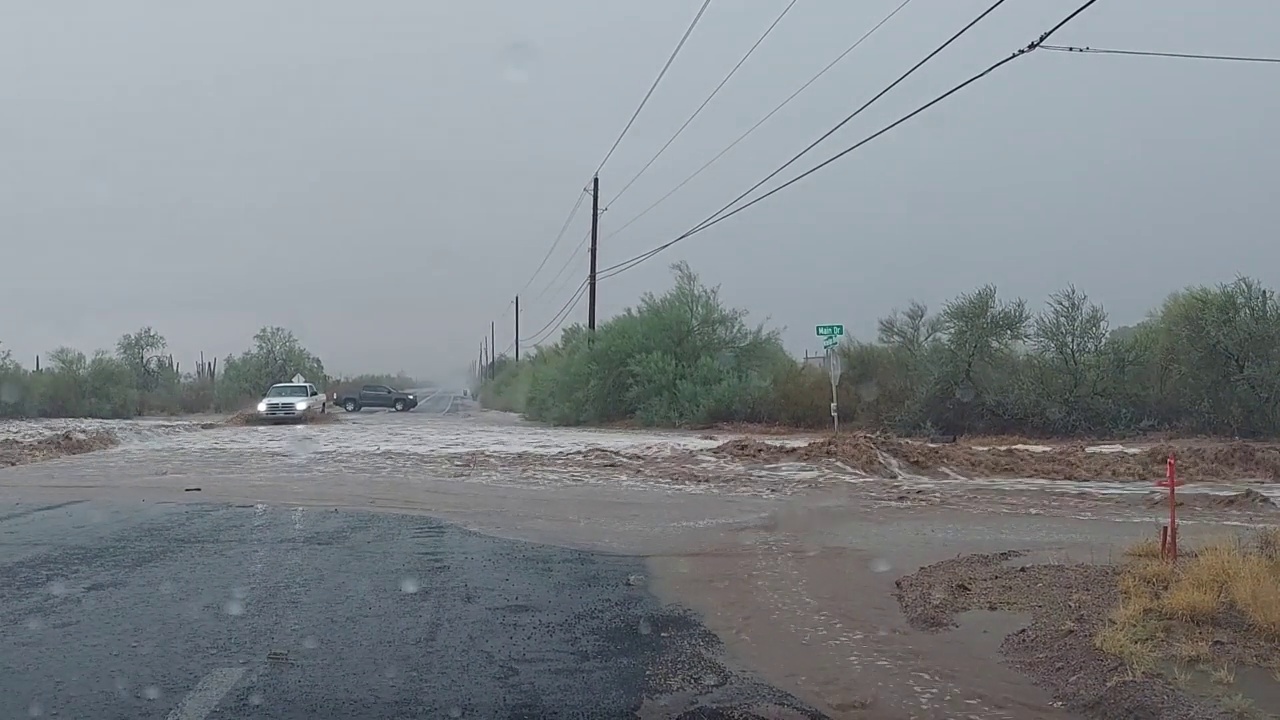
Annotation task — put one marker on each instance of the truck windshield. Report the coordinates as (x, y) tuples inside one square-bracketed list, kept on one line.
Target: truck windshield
[(288, 391)]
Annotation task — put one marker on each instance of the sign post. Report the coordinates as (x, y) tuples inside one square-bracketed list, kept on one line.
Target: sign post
[(831, 335)]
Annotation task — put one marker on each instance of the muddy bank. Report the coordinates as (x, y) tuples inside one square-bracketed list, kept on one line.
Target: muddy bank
[(20, 452), (885, 456), (1068, 606)]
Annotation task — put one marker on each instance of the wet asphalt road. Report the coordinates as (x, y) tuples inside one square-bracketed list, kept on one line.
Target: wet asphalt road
[(188, 612)]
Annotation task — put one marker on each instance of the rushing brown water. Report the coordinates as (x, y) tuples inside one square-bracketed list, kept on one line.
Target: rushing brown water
[(793, 565)]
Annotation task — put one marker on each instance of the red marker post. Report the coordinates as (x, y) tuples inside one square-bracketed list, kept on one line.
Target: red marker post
[(1169, 533)]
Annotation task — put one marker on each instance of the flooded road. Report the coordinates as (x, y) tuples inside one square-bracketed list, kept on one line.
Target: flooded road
[(791, 564)]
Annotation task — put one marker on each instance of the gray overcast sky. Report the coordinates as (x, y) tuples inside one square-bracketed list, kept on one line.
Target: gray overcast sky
[(171, 163)]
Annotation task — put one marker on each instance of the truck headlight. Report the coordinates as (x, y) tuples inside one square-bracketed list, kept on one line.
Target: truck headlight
[(262, 407), (301, 405)]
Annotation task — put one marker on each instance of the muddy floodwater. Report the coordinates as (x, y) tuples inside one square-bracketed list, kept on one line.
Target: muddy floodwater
[(793, 564)]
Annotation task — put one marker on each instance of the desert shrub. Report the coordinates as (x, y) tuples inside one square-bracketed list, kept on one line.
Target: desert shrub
[(1206, 361), (141, 378)]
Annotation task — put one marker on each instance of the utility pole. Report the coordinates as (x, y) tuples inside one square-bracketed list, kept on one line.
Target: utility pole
[(595, 231), (493, 347), (517, 328), (484, 358)]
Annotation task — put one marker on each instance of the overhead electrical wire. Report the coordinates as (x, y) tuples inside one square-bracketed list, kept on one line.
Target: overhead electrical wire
[(866, 105), (750, 51), (1151, 53), (558, 319), (721, 215), (559, 236), (563, 267), (764, 119), (654, 86)]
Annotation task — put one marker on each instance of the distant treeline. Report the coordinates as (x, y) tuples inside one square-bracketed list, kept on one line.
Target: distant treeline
[(141, 378), (1206, 361)]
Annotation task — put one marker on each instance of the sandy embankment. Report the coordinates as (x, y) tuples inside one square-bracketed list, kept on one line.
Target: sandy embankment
[(20, 452), (886, 456), (34, 442)]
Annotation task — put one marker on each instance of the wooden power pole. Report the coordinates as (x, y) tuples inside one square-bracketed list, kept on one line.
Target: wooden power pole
[(517, 328), (595, 231)]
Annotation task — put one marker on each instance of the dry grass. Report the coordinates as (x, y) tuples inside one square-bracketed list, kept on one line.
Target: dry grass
[(1193, 650), (1239, 706), (1222, 577), (1223, 675), (1146, 549), (1217, 607)]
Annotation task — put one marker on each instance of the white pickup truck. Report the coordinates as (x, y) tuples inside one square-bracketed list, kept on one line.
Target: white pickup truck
[(292, 401)]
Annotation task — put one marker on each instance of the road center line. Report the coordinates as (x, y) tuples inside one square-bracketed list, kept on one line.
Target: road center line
[(204, 698)]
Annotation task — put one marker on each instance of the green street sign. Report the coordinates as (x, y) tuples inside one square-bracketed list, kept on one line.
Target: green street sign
[(830, 342), (830, 330)]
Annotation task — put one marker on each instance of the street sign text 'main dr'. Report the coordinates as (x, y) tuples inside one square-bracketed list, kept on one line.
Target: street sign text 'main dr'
[(830, 330)]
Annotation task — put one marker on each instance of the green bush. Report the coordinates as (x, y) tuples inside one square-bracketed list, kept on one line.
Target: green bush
[(276, 356), (681, 358), (141, 379), (1207, 361)]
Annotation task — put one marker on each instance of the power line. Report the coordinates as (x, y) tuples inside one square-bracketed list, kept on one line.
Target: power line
[(707, 101), (764, 119), (560, 323), (558, 319), (565, 266), (573, 212), (654, 86), (559, 236), (1150, 53), (865, 105), (717, 217)]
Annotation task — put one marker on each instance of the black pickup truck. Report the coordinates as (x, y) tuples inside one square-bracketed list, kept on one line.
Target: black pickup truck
[(377, 396)]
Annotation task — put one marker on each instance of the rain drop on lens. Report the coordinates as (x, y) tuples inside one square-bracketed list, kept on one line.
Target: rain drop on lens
[(517, 59), (35, 709), (256, 698), (234, 608), (310, 642), (880, 565), (58, 588), (151, 692), (455, 712), (645, 628), (409, 585)]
